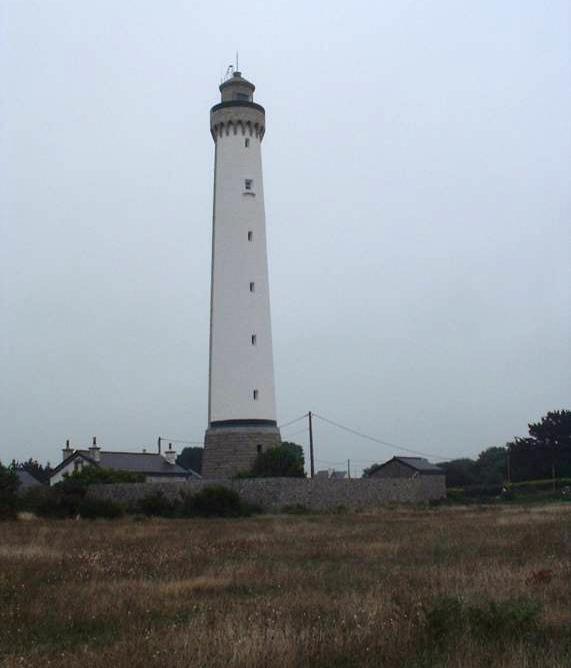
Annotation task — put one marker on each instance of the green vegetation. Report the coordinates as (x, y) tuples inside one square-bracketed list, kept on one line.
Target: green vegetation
[(68, 497), (157, 504), (9, 484), (283, 461), (191, 458), (215, 501), (212, 501), (450, 619)]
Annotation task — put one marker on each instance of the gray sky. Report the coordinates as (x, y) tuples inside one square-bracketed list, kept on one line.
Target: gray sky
[(417, 178)]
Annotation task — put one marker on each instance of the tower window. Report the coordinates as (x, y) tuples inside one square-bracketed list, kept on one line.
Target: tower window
[(252, 286), (247, 142), (255, 394), (254, 339), (259, 448), (248, 184), (250, 235)]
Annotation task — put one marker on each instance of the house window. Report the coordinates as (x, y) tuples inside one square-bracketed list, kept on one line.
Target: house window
[(259, 448), (248, 184), (247, 142), (250, 235), (77, 465), (252, 286), (255, 394), (254, 339)]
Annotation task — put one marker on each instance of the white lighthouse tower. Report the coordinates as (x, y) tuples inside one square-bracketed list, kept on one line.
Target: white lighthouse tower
[(241, 405)]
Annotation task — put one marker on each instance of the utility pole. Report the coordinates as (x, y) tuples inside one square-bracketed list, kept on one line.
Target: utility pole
[(509, 470), (349, 468), (311, 462)]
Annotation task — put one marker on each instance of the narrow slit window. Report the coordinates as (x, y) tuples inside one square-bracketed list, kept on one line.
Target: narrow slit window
[(255, 394), (259, 448), (250, 235), (247, 142), (254, 339), (248, 184), (252, 286)]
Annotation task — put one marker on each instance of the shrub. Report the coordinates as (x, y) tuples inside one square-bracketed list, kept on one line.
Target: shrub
[(504, 619), (68, 497), (157, 505), (449, 618), (284, 461), (50, 502), (9, 483), (96, 475), (215, 501), (295, 509), (91, 509)]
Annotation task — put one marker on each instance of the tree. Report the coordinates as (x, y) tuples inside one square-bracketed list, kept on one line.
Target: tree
[(554, 430), (460, 472), (370, 470), (491, 466), (35, 469), (546, 451), (284, 461), (9, 484), (191, 458)]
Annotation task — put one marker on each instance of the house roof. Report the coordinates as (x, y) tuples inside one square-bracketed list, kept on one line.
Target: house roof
[(419, 464), (26, 479), (148, 463)]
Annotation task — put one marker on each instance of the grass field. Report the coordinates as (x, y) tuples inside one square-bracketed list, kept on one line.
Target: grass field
[(408, 588)]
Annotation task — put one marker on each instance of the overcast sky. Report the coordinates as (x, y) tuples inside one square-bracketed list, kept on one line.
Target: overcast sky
[(417, 181)]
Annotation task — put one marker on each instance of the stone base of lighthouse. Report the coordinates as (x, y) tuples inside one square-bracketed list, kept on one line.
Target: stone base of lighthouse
[(231, 448)]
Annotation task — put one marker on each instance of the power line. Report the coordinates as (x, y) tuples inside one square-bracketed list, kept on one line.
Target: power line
[(287, 424), (377, 440), (176, 440), (296, 433)]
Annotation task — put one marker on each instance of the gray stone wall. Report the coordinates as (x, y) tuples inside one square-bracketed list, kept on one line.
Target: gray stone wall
[(232, 450), (273, 494)]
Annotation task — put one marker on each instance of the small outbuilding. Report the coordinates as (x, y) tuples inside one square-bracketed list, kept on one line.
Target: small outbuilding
[(406, 467), (432, 477)]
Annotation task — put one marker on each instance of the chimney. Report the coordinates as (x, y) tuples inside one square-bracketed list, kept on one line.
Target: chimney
[(95, 451), (67, 451), (170, 455)]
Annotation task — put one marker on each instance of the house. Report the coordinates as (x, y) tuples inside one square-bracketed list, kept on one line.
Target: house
[(331, 474), (407, 467), (431, 477), (156, 467), (27, 480)]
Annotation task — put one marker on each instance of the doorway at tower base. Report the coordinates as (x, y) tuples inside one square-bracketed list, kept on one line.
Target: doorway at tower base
[(232, 449)]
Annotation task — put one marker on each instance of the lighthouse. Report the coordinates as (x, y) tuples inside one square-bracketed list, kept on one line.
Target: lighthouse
[(241, 399)]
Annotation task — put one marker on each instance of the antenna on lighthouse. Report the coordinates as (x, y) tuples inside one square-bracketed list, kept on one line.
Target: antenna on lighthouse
[(237, 68)]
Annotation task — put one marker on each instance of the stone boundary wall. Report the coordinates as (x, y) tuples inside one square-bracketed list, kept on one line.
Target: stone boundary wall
[(273, 494)]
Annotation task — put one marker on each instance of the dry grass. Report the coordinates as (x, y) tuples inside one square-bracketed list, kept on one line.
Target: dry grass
[(284, 591)]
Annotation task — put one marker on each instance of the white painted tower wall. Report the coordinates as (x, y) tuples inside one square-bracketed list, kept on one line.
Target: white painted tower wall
[(241, 362)]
